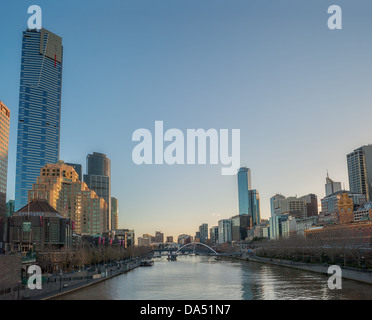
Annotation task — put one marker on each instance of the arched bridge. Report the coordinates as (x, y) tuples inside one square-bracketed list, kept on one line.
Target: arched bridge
[(196, 243)]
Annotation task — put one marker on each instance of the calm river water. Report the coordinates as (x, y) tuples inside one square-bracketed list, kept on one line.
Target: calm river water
[(212, 278)]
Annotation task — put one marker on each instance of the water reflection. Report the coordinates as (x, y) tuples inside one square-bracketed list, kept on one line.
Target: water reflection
[(211, 278)]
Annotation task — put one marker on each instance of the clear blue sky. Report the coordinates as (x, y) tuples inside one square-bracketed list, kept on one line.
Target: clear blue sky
[(299, 92)]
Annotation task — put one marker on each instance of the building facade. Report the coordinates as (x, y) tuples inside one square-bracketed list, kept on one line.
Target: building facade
[(331, 186), (292, 206), (224, 231), (244, 184), (279, 226), (275, 205), (359, 165), (35, 227), (311, 201), (330, 203), (98, 179), (78, 168), (39, 111), (203, 233), (4, 146), (213, 235), (114, 214), (59, 184)]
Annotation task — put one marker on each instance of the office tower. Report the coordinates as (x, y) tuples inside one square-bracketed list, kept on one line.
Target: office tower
[(249, 199), (114, 214), (331, 186), (39, 108), (275, 205), (279, 226), (169, 239), (240, 224), (59, 184), (98, 179), (244, 184), (254, 206), (224, 231), (203, 233), (4, 145), (359, 165), (292, 206), (311, 201), (78, 169)]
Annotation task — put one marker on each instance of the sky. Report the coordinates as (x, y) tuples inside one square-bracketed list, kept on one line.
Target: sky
[(299, 92)]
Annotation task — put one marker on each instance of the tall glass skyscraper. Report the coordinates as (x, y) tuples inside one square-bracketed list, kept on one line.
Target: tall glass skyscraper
[(244, 184), (39, 108), (4, 143), (249, 199), (254, 206), (98, 179)]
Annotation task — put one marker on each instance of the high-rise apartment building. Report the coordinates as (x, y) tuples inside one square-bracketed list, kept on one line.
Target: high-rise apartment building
[(4, 146), (203, 233), (114, 214), (359, 165), (59, 184), (213, 235), (98, 179), (39, 112), (224, 231)]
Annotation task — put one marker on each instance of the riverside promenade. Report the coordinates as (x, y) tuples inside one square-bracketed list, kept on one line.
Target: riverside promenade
[(56, 285), (347, 272)]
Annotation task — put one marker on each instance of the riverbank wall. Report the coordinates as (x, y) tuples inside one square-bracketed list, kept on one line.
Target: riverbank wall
[(93, 282), (347, 272)]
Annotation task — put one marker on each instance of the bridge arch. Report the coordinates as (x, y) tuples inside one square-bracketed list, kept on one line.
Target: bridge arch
[(195, 243)]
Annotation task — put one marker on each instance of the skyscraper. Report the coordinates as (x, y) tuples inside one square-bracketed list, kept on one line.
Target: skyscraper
[(331, 186), (98, 179), (224, 231), (244, 184), (359, 166), (4, 142), (249, 199), (254, 206), (114, 214), (39, 108), (203, 231)]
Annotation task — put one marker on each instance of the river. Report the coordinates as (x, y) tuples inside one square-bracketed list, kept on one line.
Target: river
[(215, 278)]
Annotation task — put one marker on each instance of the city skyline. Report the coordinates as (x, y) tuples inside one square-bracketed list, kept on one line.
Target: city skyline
[(168, 68)]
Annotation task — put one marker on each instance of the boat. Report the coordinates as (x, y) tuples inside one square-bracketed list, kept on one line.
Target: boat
[(147, 263), (172, 257)]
